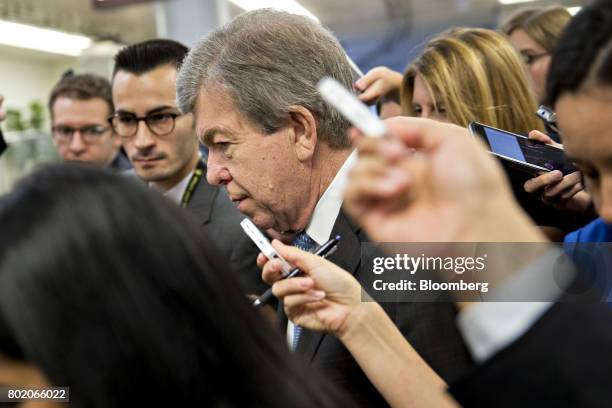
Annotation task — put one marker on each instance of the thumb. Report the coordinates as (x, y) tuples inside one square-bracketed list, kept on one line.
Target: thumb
[(540, 137)]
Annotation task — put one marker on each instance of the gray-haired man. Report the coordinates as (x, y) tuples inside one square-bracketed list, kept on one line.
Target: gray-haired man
[(284, 155)]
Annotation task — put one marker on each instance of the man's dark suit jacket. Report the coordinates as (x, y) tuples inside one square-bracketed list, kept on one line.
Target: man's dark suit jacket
[(563, 360), (429, 327), (211, 208)]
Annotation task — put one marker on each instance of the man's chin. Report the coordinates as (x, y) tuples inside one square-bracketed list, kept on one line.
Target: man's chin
[(151, 175), (262, 221), (79, 161)]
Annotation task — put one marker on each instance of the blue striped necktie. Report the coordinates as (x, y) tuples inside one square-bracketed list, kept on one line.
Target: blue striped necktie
[(305, 243)]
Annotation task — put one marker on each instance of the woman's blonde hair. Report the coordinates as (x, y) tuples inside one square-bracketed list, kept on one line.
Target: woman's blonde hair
[(477, 76), (543, 25)]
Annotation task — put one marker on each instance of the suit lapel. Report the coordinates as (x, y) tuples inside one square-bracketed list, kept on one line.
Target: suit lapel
[(348, 257), (201, 203)]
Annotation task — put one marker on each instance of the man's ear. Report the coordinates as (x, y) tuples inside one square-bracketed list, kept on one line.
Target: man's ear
[(304, 132)]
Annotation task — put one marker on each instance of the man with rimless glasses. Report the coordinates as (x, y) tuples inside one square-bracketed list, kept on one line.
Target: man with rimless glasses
[(79, 106), (163, 148)]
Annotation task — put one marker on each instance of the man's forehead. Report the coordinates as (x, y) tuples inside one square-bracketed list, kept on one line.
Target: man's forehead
[(76, 104), (215, 112), (94, 109), (156, 85)]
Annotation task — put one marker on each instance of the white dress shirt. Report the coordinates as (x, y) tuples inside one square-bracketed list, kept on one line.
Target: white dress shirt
[(176, 193), (325, 213)]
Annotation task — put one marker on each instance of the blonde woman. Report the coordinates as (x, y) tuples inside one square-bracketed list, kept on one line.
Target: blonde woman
[(470, 74), (534, 32), (474, 74), (462, 75)]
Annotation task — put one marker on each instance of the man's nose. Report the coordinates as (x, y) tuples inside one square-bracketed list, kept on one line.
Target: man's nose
[(216, 173), (77, 145), (143, 138)]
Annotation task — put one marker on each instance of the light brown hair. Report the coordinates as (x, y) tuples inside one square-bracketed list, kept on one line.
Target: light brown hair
[(478, 76), (82, 87), (543, 25)]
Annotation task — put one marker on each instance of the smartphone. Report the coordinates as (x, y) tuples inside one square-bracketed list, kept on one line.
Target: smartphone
[(264, 244), (529, 155), (351, 108), (548, 116), (2, 143)]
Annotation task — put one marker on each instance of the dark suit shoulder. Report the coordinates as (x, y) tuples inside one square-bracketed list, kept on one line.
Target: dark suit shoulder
[(211, 208), (564, 359), (429, 327)]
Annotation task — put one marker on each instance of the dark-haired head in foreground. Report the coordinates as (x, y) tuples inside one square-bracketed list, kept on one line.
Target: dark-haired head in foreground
[(579, 87), (105, 288)]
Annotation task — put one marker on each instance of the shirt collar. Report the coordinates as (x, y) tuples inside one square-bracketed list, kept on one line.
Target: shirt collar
[(176, 193), (328, 207)]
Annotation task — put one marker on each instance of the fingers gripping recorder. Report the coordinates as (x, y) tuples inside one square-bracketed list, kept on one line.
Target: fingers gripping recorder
[(263, 244), (268, 250), (351, 108)]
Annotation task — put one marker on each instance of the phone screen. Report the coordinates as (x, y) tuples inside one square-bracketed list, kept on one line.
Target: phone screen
[(527, 151)]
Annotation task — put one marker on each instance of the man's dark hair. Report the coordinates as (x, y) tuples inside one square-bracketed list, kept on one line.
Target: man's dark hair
[(112, 290), (82, 87), (584, 54), (148, 55)]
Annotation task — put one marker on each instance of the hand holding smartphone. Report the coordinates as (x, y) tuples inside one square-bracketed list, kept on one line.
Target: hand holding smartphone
[(528, 155)]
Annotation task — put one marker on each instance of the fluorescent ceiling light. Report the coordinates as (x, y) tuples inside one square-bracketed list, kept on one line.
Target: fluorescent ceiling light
[(514, 1), (290, 6), (574, 10), (42, 39)]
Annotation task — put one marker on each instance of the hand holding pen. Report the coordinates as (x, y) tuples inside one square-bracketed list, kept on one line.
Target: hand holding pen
[(323, 251), (323, 298)]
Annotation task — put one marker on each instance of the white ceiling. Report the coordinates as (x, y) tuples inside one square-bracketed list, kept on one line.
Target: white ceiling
[(137, 22), (128, 24)]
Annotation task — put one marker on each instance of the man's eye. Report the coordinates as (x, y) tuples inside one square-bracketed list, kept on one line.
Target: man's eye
[(64, 130), (160, 117), (94, 130), (127, 119), (222, 145)]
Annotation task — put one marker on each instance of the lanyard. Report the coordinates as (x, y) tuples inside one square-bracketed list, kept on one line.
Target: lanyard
[(194, 181)]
